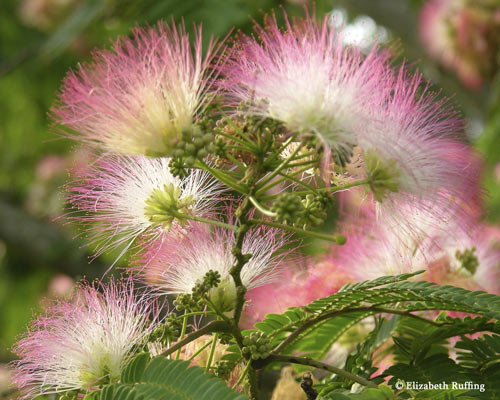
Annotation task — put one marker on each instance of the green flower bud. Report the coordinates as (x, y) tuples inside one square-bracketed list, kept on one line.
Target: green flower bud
[(468, 260), (257, 345), (223, 296), (288, 208), (199, 142), (178, 153), (191, 149), (202, 153), (313, 213)]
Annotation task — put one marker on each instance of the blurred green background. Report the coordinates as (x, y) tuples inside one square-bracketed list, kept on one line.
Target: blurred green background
[(40, 40)]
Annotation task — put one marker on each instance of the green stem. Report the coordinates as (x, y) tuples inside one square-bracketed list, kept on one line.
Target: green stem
[(253, 384), (204, 313), (168, 347), (320, 365), (224, 178), (348, 185), (212, 352), (242, 134), (238, 148), (235, 272), (234, 139), (241, 260), (242, 376), (216, 310), (204, 220), (300, 164), (285, 162), (337, 238), (304, 155), (235, 161), (285, 144), (374, 310), (261, 208), (334, 189), (183, 332), (199, 351), (214, 326), (299, 182), (276, 182), (234, 174)]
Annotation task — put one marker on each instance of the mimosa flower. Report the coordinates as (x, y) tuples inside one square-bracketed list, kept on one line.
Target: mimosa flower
[(414, 161), (469, 259), (409, 140), (84, 342), (307, 79), (125, 197), (180, 265), (138, 97), (463, 36), (372, 251)]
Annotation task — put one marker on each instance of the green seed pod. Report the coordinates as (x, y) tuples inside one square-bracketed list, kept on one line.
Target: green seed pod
[(191, 149)]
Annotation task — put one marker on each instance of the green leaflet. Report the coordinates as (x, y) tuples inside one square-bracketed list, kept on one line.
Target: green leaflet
[(381, 393), (423, 358), (329, 317), (160, 378), (439, 368), (479, 353), (418, 339)]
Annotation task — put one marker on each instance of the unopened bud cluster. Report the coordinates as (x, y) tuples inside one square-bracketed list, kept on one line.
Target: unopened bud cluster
[(196, 144), (169, 331), (291, 209), (468, 259), (188, 302), (262, 136), (257, 345), (210, 290), (210, 280), (223, 369)]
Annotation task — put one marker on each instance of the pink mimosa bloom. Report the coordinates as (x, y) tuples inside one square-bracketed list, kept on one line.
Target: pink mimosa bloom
[(179, 265), (448, 269), (437, 34), (85, 341), (414, 137), (138, 97), (307, 79), (372, 250), (463, 36), (116, 191)]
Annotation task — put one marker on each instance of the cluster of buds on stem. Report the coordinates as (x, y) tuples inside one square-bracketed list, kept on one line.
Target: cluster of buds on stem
[(169, 331), (257, 345), (468, 259), (196, 144), (305, 213)]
